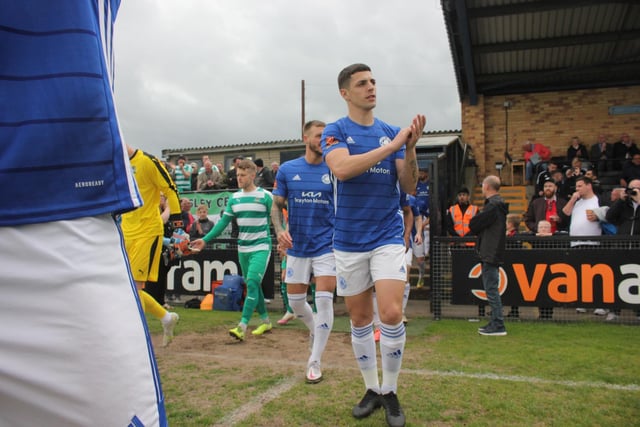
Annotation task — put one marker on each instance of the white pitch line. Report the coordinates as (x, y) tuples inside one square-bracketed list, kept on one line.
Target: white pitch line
[(518, 378), (256, 403), (483, 376)]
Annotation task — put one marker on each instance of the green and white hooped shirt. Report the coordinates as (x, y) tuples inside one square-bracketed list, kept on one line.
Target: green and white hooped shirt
[(252, 211)]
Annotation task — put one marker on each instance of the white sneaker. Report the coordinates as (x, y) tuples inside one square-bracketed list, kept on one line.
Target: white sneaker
[(611, 317), (581, 310), (314, 374), (600, 312), (168, 327)]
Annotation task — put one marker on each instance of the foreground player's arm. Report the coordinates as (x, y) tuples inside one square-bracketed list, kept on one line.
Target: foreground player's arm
[(408, 167), (218, 228), (277, 219), (346, 166), (407, 215), (199, 244)]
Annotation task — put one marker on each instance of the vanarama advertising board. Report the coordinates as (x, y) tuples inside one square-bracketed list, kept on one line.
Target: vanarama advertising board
[(585, 278)]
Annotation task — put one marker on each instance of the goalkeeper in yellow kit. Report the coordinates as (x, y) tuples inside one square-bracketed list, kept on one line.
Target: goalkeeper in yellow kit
[(143, 231)]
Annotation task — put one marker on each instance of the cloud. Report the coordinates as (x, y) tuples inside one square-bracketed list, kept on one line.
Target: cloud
[(200, 73)]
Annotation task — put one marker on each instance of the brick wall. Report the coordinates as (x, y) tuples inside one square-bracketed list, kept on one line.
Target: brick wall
[(552, 118)]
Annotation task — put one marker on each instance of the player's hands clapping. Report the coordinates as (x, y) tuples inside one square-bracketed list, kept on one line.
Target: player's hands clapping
[(415, 130)]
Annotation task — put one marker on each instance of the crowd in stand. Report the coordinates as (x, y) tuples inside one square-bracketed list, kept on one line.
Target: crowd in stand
[(211, 177), (570, 198), (615, 161)]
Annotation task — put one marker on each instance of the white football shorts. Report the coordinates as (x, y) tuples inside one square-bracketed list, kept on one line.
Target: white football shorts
[(74, 346), (358, 271), (299, 270)]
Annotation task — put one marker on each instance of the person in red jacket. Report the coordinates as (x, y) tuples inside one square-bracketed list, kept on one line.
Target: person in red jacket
[(533, 154)]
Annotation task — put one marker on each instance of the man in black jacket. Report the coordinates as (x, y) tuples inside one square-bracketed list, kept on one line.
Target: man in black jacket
[(490, 227), (624, 212)]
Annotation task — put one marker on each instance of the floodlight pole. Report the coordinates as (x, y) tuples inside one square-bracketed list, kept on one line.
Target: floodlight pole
[(302, 109)]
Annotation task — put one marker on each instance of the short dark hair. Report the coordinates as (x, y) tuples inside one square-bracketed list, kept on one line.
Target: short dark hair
[(259, 163), (311, 124), (344, 78), (584, 179)]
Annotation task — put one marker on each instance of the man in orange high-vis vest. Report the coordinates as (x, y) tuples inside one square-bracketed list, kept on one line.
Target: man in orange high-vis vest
[(459, 215)]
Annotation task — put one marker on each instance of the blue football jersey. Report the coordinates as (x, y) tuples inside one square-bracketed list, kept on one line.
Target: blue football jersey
[(422, 196), (61, 155), (413, 203), (368, 213), (309, 195)]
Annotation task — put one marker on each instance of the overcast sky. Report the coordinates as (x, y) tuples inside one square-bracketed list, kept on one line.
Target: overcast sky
[(196, 73)]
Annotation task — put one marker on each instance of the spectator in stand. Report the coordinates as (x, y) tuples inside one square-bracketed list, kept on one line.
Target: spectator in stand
[(232, 177), (580, 206), (624, 150), (194, 176), (624, 213), (601, 154), (223, 175), (187, 218), (202, 225), (548, 208), (545, 175), (513, 224), (544, 229), (573, 172), (275, 166), (562, 185), (205, 159), (591, 173), (264, 177), (576, 149), (209, 179), (183, 173), (631, 170), (534, 154)]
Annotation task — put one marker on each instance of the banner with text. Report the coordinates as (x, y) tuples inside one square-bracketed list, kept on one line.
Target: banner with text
[(215, 202), (582, 278), (193, 275)]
